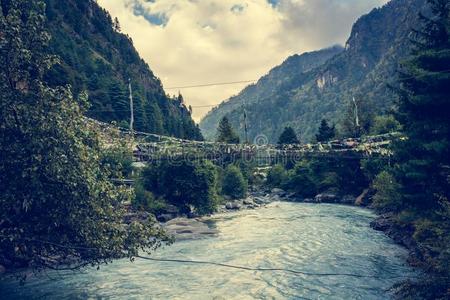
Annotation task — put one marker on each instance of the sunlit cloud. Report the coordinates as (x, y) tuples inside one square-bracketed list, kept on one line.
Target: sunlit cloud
[(189, 42)]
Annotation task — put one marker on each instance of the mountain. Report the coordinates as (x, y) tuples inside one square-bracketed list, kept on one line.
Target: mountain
[(279, 78), (301, 97), (96, 57)]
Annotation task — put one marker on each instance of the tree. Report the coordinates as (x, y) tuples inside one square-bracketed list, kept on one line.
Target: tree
[(234, 184), (326, 133), (424, 109), (385, 124), (226, 133), (358, 118), (288, 137), (184, 184), (422, 158), (57, 201)]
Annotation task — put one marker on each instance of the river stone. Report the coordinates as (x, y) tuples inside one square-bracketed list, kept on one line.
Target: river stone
[(249, 201), (348, 199), (165, 217), (277, 191), (325, 198), (184, 229), (233, 205)]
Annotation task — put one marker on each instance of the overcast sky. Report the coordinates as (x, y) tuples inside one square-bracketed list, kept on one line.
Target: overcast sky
[(190, 42)]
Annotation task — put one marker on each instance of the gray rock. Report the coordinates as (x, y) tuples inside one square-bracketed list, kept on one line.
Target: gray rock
[(249, 201), (308, 200), (326, 198), (348, 199), (184, 229), (165, 217), (233, 205), (2, 269), (277, 191)]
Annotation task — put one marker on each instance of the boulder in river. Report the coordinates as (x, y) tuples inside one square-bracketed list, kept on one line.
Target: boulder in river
[(277, 191), (249, 201), (348, 199), (326, 198), (183, 229), (235, 205)]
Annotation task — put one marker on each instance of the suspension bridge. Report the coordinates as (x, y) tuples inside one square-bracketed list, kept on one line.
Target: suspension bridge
[(148, 147)]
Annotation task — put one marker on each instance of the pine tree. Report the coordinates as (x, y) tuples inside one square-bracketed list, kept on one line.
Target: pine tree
[(423, 157), (226, 133), (424, 110), (326, 133), (288, 137)]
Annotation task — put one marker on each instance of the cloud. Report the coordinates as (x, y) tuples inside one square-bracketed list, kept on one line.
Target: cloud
[(188, 42)]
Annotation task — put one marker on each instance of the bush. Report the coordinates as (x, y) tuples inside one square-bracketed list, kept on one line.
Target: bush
[(277, 176), (385, 124), (184, 184), (234, 184), (146, 201), (387, 195)]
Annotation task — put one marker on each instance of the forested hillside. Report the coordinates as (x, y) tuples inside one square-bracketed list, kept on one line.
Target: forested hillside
[(97, 58), (279, 78), (302, 97)]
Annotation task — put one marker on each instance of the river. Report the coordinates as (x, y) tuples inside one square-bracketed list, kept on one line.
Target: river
[(309, 238)]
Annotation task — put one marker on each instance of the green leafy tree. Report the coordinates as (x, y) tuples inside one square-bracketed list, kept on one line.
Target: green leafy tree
[(385, 124), (184, 184), (277, 176), (234, 183), (326, 133), (226, 133), (288, 137), (57, 201)]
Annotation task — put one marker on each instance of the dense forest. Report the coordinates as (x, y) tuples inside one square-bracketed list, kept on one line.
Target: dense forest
[(96, 57), (292, 95)]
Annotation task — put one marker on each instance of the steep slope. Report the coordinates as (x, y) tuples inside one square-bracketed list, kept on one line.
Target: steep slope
[(99, 59), (279, 78), (378, 42)]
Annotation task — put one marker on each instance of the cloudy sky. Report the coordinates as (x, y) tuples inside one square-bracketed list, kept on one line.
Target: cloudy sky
[(192, 42)]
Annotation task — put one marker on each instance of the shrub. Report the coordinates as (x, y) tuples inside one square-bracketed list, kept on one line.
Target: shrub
[(145, 200), (387, 195), (184, 184), (234, 184), (385, 124), (277, 176)]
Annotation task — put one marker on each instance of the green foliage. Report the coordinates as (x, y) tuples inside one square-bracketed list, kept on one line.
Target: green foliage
[(288, 137), (184, 184), (57, 201), (387, 192), (326, 133), (309, 87), (234, 183), (146, 201), (418, 189), (300, 181), (97, 58), (118, 158), (277, 176), (313, 175), (385, 124), (225, 133)]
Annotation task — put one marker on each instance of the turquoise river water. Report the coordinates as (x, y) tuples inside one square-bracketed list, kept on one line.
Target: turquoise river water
[(304, 237)]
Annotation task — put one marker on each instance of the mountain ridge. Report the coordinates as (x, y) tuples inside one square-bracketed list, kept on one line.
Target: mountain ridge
[(377, 43), (96, 57)]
